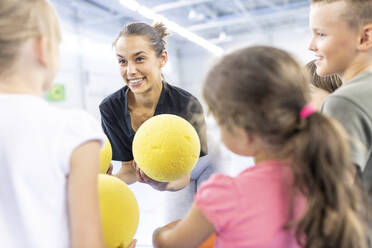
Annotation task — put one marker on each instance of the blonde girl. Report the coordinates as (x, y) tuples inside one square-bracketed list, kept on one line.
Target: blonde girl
[(48, 157)]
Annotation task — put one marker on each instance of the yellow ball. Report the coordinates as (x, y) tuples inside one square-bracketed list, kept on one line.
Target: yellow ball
[(166, 147), (105, 157), (119, 211)]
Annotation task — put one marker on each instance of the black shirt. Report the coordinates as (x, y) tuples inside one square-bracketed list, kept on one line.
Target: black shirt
[(116, 120)]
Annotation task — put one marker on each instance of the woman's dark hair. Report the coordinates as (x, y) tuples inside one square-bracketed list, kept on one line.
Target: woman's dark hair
[(263, 89), (328, 83), (155, 34)]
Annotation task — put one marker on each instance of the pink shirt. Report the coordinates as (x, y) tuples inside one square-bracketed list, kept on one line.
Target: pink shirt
[(252, 209)]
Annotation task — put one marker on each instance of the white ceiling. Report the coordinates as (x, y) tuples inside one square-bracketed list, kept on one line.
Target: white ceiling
[(218, 21)]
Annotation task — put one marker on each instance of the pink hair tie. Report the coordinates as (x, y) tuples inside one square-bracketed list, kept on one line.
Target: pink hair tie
[(307, 110)]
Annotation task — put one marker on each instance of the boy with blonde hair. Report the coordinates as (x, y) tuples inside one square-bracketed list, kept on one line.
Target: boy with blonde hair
[(342, 43)]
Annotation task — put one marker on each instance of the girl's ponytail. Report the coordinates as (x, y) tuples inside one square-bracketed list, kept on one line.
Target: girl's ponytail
[(324, 173)]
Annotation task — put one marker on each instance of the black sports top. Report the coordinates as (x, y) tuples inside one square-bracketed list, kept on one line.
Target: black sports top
[(116, 120)]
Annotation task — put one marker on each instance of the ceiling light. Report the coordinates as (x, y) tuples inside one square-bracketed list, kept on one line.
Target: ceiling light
[(222, 36), (150, 14), (192, 14)]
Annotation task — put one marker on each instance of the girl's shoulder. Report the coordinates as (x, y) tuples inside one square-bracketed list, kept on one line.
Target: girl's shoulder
[(217, 188), (271, 168)]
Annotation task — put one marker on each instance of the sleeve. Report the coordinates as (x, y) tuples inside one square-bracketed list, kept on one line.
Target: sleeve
[(217, 199), (121, 148), (78, 129), (356, 124), (196, 117)]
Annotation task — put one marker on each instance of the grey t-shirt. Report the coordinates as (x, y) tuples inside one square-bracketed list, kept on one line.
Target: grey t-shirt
[(351, 105)]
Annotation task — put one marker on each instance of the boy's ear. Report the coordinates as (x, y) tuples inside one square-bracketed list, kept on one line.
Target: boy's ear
[(365, 42)]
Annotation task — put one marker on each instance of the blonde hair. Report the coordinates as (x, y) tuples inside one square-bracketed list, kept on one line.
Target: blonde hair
[(357, 13), (21, 20)]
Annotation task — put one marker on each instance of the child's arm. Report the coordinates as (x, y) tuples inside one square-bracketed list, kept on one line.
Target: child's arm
[(189, 232), (83, 203)]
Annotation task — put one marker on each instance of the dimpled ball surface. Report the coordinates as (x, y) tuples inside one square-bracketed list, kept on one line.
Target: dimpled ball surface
[(166, 147), (119, 211)]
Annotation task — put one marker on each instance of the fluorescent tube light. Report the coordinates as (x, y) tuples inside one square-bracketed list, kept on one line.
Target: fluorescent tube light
[(152, 15)]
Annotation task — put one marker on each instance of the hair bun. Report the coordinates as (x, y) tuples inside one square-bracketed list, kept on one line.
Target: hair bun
[(161, 29)]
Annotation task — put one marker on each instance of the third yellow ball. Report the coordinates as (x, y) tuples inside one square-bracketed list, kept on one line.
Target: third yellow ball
[(105, 156)]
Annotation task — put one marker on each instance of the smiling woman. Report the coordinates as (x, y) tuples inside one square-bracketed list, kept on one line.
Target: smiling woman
[(140, 65), (141, 54)]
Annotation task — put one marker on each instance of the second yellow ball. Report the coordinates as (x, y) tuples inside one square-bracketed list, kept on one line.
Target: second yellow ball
[(166, 147)]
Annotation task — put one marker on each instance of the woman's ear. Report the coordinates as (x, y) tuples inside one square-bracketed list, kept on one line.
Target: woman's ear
[(164, 58)]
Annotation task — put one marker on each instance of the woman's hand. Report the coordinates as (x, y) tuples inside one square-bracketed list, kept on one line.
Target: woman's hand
[(143, 178), (109, 170)]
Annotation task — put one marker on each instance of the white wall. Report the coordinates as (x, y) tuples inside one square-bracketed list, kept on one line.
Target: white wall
[(195, 62)]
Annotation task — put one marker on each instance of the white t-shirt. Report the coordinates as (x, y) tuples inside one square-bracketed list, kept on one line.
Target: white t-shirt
[(36, 142)]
